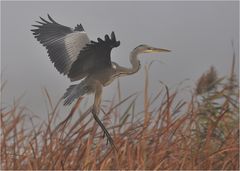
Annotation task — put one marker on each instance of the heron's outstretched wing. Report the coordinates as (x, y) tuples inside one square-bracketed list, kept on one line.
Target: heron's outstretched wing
[(62, 43), (93, 57)]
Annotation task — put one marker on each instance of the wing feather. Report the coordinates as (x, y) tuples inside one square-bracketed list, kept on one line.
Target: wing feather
[(71, 51), (94, 57), (63, 43)]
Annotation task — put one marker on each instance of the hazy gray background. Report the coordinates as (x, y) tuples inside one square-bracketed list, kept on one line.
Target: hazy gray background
[(198, 33)]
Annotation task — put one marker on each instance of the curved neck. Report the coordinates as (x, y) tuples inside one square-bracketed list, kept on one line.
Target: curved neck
[(133, 57), (121, 71)]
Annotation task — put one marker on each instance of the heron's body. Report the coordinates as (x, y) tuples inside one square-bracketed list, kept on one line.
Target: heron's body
[(74, 55), (104, 76)]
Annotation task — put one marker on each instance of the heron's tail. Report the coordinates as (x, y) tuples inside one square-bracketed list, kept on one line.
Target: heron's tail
[(75, 91)]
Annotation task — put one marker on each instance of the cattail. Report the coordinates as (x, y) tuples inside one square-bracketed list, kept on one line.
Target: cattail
[(207, 81)]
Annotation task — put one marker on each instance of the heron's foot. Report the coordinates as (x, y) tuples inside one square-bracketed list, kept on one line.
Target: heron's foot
[(109, 139), (105, 131)]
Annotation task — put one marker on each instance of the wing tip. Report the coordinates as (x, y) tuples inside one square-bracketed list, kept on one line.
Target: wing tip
[(79, 27), (112, 40), (43, 20), (51, 19)]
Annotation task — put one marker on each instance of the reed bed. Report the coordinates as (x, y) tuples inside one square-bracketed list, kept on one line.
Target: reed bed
[(171, 134)]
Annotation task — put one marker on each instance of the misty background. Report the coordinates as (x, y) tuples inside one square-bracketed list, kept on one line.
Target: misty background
[(198, 33)]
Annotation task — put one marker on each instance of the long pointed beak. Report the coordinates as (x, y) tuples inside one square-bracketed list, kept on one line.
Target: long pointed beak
[(156, 50)]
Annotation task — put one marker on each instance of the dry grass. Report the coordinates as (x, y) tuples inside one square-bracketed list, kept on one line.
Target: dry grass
[(204, 136)]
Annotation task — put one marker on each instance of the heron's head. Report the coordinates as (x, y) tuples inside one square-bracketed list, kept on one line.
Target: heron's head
[(148, 49)]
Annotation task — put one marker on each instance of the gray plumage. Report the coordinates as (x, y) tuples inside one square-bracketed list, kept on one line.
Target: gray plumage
[(77, 90)]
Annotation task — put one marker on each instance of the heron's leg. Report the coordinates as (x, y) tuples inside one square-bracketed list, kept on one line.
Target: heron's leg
[(96, 110)]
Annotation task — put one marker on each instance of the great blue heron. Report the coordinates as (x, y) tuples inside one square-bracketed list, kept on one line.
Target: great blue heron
[(74, 55)]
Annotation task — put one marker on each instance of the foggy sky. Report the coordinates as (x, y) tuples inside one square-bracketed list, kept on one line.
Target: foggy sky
[(198, 33)]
